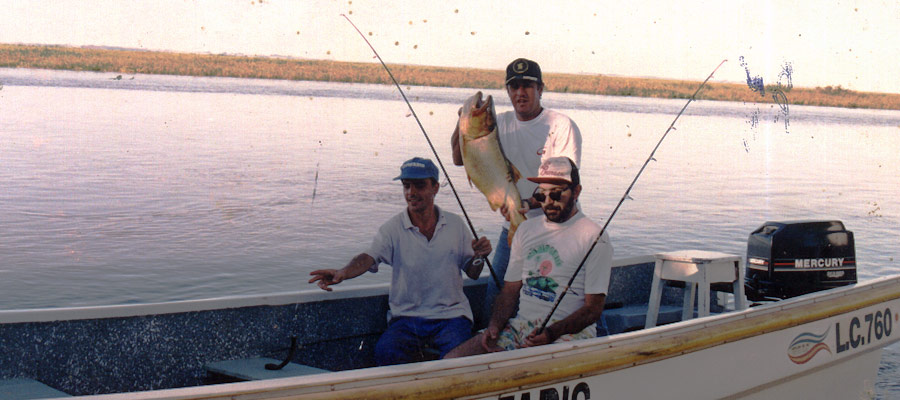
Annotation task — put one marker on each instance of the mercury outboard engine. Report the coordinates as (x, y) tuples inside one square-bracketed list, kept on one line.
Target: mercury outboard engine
[(792, 258)]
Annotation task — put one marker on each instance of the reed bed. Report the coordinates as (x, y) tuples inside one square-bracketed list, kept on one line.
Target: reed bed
[(167, 63)]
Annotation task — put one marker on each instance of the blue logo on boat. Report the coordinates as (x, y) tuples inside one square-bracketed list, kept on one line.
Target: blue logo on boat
[(806, 345)]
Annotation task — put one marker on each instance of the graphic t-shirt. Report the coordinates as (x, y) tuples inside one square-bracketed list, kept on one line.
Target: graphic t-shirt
[(544, 256)]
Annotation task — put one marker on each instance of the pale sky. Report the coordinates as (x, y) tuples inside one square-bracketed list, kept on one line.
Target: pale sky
[(853, 44)]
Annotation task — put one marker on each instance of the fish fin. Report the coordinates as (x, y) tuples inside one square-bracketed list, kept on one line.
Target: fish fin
[(462, 147), (514, 225), (514, 173)]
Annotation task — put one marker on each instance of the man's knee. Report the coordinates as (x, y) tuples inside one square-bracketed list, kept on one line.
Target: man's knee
[(454, 333), (389, 351), (470, 347), (393, 347)]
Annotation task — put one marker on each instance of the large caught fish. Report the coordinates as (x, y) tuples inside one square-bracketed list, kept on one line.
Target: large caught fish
[(483, 158)]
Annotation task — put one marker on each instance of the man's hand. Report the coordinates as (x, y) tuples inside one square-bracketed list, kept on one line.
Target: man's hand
[(481, 246), (327, 277), (522, 210), (489, 339), (535, 339)]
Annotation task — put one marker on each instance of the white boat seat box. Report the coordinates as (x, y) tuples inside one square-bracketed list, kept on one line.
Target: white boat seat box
[(24, 388), (250, 369), (697, 269)]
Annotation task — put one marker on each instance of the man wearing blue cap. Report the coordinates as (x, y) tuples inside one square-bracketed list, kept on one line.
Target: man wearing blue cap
[(529, 135), (427, 248)]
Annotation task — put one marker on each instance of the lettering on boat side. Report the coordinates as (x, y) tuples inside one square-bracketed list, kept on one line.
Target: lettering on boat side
[(580, 391), (850, 332), (863, 330)]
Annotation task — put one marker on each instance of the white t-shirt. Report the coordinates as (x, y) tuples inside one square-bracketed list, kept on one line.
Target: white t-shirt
[(528, 143), (544, 257), (426, 278)]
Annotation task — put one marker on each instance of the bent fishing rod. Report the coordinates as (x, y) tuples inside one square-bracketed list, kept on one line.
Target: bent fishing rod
[(622, 200), (436, 156)]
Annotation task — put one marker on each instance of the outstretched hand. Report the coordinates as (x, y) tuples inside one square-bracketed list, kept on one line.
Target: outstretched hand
[(326, 277)]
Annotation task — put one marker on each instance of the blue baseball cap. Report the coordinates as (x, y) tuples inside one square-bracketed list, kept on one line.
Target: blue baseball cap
[(418, 168)]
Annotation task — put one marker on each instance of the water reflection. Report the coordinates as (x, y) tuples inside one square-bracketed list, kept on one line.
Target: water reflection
[(183, 188)]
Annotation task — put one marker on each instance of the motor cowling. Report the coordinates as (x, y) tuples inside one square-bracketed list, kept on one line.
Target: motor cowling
[(792, 258)]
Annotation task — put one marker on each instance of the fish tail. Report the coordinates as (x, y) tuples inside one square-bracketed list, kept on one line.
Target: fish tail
[(512, 232), (514, 173), (513, 226), (515, 219)]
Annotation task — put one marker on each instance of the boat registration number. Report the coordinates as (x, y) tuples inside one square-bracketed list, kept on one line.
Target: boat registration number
[(864, 330)]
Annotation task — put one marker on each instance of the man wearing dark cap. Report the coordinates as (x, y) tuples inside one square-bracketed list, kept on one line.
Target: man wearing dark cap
[(546, 252), (529, 134), (427, 248)]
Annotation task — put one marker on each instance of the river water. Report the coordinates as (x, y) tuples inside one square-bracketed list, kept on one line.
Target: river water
[(160, 188)]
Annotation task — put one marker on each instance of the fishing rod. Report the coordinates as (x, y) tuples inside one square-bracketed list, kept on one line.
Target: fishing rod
[(436, 156), (622, 200)]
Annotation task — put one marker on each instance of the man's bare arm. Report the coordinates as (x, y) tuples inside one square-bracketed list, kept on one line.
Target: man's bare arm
[(356, 267), (505, 304)]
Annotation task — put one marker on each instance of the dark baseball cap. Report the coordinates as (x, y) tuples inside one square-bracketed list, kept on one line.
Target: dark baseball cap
[(523, 68), (418, 168)]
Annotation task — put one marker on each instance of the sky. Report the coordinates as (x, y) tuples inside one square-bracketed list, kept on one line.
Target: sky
[(816, 43)]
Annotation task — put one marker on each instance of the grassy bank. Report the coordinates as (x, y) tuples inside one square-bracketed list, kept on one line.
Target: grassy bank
[(146, 62)]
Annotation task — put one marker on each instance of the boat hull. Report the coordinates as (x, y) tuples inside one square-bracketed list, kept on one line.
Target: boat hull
[(748, 354)]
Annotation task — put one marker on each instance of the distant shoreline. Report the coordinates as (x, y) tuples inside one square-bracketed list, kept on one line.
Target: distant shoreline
[(166, 63)]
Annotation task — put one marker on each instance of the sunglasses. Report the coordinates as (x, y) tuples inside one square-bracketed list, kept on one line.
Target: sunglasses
[(554, 195)]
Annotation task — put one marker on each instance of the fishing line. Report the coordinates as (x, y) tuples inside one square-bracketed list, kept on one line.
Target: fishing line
[(441, 164), (316, 179), (315, 183), (622, 200)]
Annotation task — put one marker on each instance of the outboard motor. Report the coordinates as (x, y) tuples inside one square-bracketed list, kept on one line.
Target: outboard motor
[(792, 258)]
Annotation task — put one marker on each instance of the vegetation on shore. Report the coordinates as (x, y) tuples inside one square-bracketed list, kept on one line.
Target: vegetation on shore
[(147, 62)]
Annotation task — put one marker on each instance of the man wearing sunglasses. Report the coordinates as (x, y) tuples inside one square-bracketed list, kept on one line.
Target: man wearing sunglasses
[(545, 254), (427, 248), (529, 135)]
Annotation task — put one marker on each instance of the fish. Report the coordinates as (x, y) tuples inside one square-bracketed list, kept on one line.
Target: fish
[(486, 165)]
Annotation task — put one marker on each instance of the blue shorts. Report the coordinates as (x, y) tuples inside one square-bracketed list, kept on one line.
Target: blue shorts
[(406, 337)]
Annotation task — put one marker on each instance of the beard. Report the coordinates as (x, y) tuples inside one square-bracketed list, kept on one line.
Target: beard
[(560, 214)]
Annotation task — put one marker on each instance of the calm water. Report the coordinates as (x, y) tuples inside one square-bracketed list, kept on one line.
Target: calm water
[(168, 188)]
